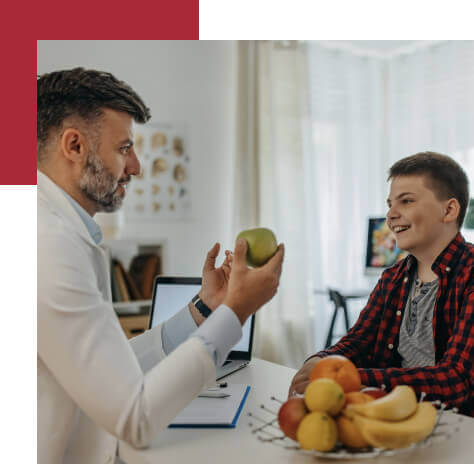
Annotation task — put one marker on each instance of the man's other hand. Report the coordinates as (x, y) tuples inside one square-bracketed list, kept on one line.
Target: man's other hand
[(249, 289), (215, 280)]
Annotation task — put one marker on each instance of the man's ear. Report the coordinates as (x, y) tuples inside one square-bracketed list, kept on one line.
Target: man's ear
[(451, 211), (73, 145)]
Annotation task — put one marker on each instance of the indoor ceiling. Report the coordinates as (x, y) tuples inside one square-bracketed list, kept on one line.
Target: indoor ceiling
[(379, 48), (383, 46)]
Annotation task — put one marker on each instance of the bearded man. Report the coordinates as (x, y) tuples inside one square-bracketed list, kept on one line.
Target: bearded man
[(95, 386)]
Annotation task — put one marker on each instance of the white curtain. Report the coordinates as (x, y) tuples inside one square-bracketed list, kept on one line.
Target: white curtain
[(347, 172), (430, 104), (366, 114), (269, 187), (318, 130)]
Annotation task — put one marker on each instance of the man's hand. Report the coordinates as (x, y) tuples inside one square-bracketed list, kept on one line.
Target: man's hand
[(301, 379), (215, 281), (249, 289)]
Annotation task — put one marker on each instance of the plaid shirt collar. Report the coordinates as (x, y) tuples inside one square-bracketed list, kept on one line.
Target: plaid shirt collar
[(442, 265)]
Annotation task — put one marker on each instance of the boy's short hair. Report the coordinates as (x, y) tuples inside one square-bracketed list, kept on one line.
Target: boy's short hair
[(445, 177), (82, 93)]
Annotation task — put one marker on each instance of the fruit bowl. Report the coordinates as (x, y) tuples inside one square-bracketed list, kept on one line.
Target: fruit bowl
[(265, 427)]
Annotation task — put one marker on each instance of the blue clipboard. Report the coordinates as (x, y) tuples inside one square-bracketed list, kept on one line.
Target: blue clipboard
[(205, 425)]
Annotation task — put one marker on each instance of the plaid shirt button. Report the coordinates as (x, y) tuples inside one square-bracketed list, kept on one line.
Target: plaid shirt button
[(405, 279), (390, 346), (448, 268), (399, 313)]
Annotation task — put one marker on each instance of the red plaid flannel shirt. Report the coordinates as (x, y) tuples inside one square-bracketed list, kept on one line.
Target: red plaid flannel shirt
[(372, 342)]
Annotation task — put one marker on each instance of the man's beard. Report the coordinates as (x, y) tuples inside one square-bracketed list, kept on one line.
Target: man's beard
[(100, 186)]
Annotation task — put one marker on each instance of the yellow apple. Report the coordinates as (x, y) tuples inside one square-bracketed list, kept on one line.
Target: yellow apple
[(317, 431), (324, 395)]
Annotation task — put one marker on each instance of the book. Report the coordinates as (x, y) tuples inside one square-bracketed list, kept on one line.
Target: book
[(214, 412), (116, 292), (133, 291), (143, 270), (121, 282)]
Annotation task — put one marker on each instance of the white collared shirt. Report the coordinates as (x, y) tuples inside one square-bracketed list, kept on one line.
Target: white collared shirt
[(94, 385), (182, 325)]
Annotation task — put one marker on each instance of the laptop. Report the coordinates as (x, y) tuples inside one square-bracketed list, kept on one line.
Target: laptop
[(171, 294)]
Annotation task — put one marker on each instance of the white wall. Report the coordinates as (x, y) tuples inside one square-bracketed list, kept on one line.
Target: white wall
[(181, 81)]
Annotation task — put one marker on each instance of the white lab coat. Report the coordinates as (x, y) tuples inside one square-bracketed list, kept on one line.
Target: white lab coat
[(95, 386)]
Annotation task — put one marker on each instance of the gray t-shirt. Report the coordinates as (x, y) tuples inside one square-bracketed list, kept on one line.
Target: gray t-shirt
[(416, 344)]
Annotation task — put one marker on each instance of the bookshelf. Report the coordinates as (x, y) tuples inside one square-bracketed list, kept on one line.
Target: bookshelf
[(129, 307), (126, 249), (134, 325), (134, 313)]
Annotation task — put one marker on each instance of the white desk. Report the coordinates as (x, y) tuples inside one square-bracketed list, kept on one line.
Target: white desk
[(239, 445)]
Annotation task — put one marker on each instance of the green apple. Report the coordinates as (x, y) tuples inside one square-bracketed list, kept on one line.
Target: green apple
[(262, 245)]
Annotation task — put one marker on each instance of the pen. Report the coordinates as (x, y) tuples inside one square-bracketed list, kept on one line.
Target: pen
[(211, 394), (217, 386)]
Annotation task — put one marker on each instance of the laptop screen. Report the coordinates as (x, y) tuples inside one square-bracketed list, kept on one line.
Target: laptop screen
[(171, 294)]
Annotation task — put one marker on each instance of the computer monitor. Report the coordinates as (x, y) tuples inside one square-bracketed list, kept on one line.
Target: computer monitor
[(382, 250)]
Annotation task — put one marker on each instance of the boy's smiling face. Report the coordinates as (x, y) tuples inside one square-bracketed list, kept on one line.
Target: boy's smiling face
[(416, 216)]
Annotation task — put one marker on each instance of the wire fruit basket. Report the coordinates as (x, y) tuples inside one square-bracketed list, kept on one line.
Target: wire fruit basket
[(268, 431)]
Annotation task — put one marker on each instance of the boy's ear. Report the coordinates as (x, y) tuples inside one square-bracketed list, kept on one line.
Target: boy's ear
[(73, 145), (451, 210)]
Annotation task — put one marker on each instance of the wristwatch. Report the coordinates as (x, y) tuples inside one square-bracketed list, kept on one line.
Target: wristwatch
[(201, 306)]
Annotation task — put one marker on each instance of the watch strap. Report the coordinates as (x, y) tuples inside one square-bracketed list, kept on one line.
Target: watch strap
[(201, 306)]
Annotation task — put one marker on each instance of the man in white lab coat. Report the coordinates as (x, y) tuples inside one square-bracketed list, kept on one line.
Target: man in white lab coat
[(95, 386)]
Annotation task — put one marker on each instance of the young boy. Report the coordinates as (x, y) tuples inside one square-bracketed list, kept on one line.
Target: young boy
[(417, 327)]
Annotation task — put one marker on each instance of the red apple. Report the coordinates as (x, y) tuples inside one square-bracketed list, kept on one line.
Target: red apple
[(374, 392), (290, 415)]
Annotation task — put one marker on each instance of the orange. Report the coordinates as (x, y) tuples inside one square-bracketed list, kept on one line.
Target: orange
[(348, 433), (340, 369)]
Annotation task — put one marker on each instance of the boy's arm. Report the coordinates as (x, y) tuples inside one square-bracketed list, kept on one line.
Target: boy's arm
[(451, 379), (355, 345)]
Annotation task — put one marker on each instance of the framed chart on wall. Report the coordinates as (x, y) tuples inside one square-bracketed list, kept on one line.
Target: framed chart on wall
[(162, 191)]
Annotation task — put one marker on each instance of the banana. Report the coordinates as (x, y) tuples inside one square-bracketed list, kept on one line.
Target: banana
[(397, 405), (384, 434)]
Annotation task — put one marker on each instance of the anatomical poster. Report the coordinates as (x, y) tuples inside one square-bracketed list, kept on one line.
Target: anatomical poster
[(162, 190)]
